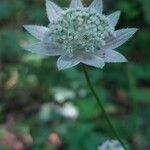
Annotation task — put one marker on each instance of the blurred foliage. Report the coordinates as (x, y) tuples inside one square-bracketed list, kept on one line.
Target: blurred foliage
[(33, 94)]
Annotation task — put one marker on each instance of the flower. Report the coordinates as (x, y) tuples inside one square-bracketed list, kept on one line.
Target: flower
[(68, 110), (111, 145), (80, 35)]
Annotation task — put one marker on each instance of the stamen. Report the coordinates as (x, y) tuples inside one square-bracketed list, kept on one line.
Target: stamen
[(78, 29)]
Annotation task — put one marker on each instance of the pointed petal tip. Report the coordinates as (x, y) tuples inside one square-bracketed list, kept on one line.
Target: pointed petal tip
[(76, 4), (111, 56), (135, 29), (58, 66), (60, 69), (125, 60), (48, 2), (29, 27), (97, 5), (27, 48), (36, 30), (25, 26), (122, 36), (118, 13), (53, 10), (102, 65), (132, 31), (114, 17)]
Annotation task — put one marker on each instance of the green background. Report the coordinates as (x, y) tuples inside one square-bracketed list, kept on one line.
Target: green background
[(31, 86)]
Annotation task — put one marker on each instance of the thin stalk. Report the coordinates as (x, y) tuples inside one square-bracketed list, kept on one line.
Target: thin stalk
[(102, 108)]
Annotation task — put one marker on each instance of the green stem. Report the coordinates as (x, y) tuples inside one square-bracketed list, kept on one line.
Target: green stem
[(102, 108)]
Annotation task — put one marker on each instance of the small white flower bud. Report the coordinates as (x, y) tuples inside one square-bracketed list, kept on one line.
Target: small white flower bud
[(89, 21), (102, 42)]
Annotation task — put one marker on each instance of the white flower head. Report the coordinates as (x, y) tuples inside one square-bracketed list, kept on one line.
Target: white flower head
[(111, 145), (80, 35), (68, 111)]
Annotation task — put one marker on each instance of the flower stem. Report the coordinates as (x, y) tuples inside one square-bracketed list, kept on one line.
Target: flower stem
[(102, 108)]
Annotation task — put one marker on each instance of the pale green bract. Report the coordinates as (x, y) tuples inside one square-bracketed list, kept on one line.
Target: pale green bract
[(80, 35), (111, 145)]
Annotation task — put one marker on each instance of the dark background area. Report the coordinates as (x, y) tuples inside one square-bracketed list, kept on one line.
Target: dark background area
[(44, 109)]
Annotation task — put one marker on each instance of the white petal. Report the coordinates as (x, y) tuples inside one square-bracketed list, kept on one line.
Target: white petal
[(97, 5), (121, 37), (66, 61), (76, 4), (111, 56), (92, 60), (53, 10), (44, 49), (114, 17), (37, 31)]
